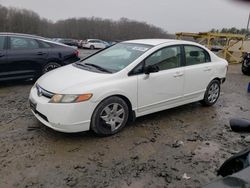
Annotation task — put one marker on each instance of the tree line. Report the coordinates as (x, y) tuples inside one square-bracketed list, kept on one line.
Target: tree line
[(27, 21), (233, 30)]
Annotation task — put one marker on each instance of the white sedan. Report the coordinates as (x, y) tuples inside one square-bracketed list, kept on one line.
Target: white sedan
[(128, 80)]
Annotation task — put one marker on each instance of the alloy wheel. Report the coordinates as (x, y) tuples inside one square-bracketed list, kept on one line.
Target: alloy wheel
[(113, 116), (213, 92)]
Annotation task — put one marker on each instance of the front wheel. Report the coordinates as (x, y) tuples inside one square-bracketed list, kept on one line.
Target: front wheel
[(92, 47), (212, 93), (110, 116)]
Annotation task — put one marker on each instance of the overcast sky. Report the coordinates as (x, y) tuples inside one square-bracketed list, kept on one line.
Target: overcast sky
[(171, 15)]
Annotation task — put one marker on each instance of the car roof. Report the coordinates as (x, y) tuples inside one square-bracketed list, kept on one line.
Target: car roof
[(156, 42), (33, 37), (22, 35)]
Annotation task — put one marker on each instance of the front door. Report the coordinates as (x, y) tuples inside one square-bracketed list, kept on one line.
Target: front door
[(160, 90)]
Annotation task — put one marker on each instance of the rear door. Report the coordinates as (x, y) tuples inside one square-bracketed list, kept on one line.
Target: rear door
[(198, 71), (3, 58), (26, 57)]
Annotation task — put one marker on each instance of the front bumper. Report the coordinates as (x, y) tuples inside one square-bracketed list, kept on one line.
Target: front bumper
[(69, 118)]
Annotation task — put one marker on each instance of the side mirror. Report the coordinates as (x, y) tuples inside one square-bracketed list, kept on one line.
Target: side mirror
[(151, 69)]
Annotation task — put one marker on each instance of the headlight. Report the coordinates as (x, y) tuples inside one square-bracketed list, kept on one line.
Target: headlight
[(70, 98)]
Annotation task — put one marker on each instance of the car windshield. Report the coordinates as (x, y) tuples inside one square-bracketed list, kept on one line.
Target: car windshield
[(117, 57)]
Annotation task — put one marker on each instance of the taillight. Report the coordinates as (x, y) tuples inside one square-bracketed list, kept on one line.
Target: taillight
[(77, 53)]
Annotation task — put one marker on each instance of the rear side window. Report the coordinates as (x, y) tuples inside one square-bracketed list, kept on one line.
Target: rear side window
[(196, 55), (17, 43), (2, 39)]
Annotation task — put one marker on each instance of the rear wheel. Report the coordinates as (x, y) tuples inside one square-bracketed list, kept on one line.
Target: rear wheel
[(50, 66), (92, 47), (212, 93), (110, 116)]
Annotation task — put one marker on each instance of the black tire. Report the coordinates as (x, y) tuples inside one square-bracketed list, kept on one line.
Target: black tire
[(50, 66), (245, 70), (212, 93), (92, 47), (100, 116)]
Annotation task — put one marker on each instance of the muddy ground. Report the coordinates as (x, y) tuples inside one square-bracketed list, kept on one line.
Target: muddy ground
[(154, 151)]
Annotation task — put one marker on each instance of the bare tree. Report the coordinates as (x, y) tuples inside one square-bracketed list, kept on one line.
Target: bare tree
[(26, 21)]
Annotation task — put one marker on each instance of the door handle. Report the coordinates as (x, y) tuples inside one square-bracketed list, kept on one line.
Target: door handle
[(1, 55), (40, 53)]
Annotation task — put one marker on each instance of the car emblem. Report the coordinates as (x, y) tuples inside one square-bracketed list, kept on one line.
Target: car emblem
[(39, 91)]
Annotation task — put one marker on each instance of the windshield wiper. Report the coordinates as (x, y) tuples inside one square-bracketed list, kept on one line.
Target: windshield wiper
[(98, 67), (80, 64)]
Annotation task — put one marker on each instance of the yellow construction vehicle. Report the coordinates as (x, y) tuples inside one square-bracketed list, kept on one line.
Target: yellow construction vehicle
[(228, 46)]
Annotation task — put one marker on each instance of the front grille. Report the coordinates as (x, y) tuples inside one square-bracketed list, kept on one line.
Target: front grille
[(43, 92)]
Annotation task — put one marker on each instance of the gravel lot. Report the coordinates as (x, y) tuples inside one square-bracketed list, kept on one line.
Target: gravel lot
[(154, 151)]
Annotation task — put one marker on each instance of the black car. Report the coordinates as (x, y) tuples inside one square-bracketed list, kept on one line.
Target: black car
[(246, 64), (69, 42), (26, 56)]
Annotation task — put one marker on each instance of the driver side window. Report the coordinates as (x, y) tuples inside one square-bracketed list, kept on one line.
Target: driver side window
[(166, 58)]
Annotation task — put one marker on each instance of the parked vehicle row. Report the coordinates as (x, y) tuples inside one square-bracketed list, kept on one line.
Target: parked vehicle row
[(128, 80), (27, 56), (88, 43)]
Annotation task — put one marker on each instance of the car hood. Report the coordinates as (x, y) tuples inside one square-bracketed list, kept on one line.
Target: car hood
[(70, 80)]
